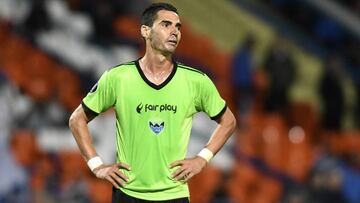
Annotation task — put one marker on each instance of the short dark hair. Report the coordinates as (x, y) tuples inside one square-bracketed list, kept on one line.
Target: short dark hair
[(150, 13)]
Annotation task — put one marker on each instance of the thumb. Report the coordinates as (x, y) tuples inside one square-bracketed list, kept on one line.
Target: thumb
[(124, 166), (176, 163)]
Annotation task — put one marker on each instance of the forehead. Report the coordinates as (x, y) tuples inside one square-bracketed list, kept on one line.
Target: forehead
[(168, 16)]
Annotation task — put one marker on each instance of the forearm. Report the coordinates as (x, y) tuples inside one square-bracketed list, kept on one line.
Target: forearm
[(79, 128), (224, 130), (190, 167)]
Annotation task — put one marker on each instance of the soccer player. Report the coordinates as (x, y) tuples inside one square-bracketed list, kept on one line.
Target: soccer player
[(154, 99)]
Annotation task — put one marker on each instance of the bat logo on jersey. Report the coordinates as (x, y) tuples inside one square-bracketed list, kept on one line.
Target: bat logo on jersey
[(156, 107), (156, 127), (139, 108)]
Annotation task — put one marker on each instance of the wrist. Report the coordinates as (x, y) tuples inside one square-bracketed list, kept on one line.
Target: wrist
[(206, 154), (94, 163)]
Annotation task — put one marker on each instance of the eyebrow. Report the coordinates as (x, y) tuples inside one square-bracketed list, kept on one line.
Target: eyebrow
[(169, 22)]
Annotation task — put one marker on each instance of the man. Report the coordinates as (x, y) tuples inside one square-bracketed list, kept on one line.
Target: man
[(154, 100)]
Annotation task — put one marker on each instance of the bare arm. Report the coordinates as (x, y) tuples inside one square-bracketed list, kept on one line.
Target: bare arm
[(224, 130), (190, 167), (78, 123)]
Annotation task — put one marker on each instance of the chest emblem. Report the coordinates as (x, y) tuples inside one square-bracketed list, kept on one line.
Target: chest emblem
[(156, 128)]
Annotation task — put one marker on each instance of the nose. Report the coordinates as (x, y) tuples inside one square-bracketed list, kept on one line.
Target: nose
[(175, 31)]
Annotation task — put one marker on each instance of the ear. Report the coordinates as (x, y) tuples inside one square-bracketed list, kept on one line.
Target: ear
[(145, 31)]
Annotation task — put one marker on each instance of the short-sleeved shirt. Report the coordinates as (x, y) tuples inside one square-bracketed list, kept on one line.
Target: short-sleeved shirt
[(153, 123)]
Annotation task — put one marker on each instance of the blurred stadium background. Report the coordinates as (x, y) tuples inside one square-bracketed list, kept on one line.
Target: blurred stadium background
[(290, 69)]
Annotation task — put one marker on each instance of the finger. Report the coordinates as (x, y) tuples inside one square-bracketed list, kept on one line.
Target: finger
[(188, 177), (121, 175), (182, 175), (117, 179), (177, 172), (176, 163), (108, 178), (124, 166)]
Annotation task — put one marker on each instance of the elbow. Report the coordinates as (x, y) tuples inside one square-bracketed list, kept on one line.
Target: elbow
[(233, 123), (229, 121), (77, 119), (72, 121)]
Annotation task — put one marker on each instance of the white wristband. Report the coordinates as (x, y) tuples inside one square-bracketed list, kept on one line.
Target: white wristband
[(206, 154), (94, 162)]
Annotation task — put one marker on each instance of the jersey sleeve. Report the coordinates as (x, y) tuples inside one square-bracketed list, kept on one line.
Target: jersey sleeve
[(210, 100), (101, 97)]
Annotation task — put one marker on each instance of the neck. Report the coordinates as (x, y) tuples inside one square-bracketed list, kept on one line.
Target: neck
[(156, 67), (156, 63)]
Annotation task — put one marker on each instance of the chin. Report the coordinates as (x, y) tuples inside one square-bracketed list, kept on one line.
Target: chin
[(169, 51)]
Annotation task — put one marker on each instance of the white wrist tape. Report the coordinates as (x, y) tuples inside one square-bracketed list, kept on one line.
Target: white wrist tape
[(94, 163), (206, 154)]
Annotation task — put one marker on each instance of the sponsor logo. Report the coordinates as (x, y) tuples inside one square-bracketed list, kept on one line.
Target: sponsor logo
[(156, 107), (156, 128), (139, 108)]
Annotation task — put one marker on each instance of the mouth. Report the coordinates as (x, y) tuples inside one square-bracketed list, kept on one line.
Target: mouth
[(173, 42)]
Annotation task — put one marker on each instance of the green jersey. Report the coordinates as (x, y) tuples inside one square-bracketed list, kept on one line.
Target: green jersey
[(153, 123)]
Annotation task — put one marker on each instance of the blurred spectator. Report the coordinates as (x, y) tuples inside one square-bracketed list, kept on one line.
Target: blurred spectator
[(102, 14), (326, 181), (329, 33), (353, 5), (332, 94), (37, 20), (242, 79), (351, 183), (14, 185), (72, 184), (44, 115), (44, 180), (17, 157), (7, 115), (296, 194), (280, 69), (14, 178)]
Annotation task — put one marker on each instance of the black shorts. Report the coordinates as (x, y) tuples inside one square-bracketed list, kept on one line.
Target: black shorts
[(119, 197)]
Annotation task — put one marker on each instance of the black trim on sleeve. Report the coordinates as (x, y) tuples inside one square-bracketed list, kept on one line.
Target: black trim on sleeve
[(90, 114), (219, 114)]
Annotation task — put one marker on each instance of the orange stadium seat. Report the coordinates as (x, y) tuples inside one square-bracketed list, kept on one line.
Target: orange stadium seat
[(43, 169), (128, 26), (36, 73), (243, 182), (248, 143), (68, 88), (204, 184), (270, 189), (100, 191), (275, 142), (73, 167), (300, 160), (24, 147), (304, 115)]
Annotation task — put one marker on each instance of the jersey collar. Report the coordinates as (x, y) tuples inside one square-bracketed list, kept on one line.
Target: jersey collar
[(157, 87)]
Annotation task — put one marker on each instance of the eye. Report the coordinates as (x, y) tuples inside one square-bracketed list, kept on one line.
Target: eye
[(178, 26), (166, 24)]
